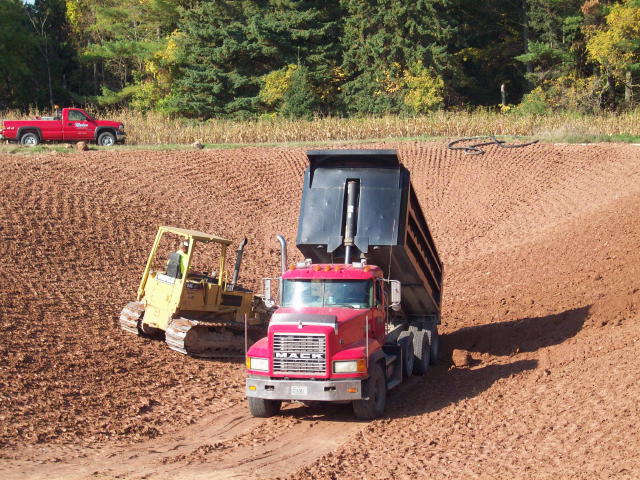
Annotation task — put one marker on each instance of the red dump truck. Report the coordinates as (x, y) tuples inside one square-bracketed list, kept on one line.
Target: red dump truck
[(70, 125), (360, 314)]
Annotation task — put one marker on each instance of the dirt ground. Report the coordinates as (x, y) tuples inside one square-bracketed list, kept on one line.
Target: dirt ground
[(541, 247)]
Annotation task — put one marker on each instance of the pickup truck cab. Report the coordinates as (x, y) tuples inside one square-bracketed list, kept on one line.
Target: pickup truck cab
[(70, 125)]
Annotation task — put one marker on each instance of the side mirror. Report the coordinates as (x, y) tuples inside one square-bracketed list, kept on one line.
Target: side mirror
[(395, 295), (266, 292)]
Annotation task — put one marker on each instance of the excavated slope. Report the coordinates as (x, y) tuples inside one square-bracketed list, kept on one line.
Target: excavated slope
[(541, 247)]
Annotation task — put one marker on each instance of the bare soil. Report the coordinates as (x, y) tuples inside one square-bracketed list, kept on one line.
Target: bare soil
[(541, 247)]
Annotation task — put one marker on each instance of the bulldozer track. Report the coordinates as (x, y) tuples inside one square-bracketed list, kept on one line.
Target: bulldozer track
[(130, 317), (208, 339)]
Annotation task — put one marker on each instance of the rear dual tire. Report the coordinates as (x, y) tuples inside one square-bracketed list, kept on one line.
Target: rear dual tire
[(422, 352), (408, 353), (434, 344)]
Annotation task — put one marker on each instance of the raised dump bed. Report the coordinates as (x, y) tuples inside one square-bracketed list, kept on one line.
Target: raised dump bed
[(361, 204)]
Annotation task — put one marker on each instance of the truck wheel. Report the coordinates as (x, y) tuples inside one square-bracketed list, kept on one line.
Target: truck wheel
[(29, 139), (409, 349), (434, 343), (421, 351), (263, 408), (374, 406), (106, 139)]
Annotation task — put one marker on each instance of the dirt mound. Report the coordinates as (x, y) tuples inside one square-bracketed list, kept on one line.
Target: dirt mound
[(542, 256)]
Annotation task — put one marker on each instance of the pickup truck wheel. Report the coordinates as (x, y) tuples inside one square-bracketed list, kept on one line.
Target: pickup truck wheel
[(29, 139), (374, 406), (421, 351), (106, 139), (434, 343), (408, 348), (263, 408)]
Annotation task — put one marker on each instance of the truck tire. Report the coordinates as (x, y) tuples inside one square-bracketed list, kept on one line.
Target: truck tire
[(106, 139), (421, 351), (409, 349), (434, 343), (263, 408), (374, 406), (29, 139)]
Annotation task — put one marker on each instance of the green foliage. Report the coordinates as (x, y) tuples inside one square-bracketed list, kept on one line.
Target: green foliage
[(303, 58), (424, 89), (219, 73), (380, 41), (300, 100), (567, 93), (616, 47), (17, 48), (276, 84)]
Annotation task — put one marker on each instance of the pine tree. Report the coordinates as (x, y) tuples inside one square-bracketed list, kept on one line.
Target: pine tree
[(222, 62), (305, 33), (385, 38), (18, 50), (232, 46), (300, 99)]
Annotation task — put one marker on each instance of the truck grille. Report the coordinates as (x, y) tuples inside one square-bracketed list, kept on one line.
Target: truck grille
[(299, 354)]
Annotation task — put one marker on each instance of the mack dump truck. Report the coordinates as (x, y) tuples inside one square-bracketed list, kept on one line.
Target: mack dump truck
[(360, 314)]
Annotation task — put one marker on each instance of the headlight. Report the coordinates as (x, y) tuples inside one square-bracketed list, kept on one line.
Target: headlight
[(121, 127), (261, 364), (349, 366)]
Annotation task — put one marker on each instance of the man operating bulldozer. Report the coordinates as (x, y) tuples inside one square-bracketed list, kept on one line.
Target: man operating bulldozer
[(177, 263)]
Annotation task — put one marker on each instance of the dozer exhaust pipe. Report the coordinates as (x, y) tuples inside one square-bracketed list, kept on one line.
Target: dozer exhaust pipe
[(236, 269), (353, 189), (283, 254)]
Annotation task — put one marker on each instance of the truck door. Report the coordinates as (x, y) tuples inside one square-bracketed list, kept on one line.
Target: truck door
[(379, 310), (77, 126)]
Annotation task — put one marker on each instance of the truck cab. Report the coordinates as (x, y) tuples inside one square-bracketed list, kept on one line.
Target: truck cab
[(342, 332), (331, 318)]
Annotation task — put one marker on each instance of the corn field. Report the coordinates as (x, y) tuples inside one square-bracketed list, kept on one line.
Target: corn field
[(156, 129)]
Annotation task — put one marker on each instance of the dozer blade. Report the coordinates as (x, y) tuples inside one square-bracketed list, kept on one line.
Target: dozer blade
[(207, 339), (130, 317)]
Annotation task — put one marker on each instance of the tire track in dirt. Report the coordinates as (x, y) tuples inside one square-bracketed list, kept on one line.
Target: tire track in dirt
[(526, 223), (229, 444)]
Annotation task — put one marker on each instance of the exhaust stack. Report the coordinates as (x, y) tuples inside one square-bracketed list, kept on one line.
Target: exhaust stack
[(236, 269), (353, 189), (283, 253)]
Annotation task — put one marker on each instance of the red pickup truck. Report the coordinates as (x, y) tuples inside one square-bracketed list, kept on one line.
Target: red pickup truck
[(71, 125)]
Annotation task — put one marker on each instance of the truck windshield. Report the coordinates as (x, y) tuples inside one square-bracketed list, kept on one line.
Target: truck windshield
[(327, 293)]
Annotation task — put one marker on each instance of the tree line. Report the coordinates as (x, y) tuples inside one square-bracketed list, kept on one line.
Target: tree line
[(300, 58)]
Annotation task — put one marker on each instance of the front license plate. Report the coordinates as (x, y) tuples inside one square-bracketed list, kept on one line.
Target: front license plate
[(298, 390)]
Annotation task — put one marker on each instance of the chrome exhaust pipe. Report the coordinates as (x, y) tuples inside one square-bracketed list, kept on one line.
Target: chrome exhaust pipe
[(351, 218), (283, 254)]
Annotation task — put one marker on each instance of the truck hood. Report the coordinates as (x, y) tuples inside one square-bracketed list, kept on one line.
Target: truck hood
[(334, 315)]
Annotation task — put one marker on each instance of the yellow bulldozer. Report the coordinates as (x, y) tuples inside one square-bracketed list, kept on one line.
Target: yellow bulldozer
[(198, 313)]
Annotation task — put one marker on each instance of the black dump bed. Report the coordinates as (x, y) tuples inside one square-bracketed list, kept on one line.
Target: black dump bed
[(391, 231)]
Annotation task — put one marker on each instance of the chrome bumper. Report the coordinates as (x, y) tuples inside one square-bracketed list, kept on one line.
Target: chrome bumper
[(320, 390), (120, 136)]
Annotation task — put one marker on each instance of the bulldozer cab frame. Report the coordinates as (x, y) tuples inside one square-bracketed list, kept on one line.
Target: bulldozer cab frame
[(193, 237)]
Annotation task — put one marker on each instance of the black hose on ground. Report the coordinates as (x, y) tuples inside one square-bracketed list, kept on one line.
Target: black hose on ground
[(475, 148)]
